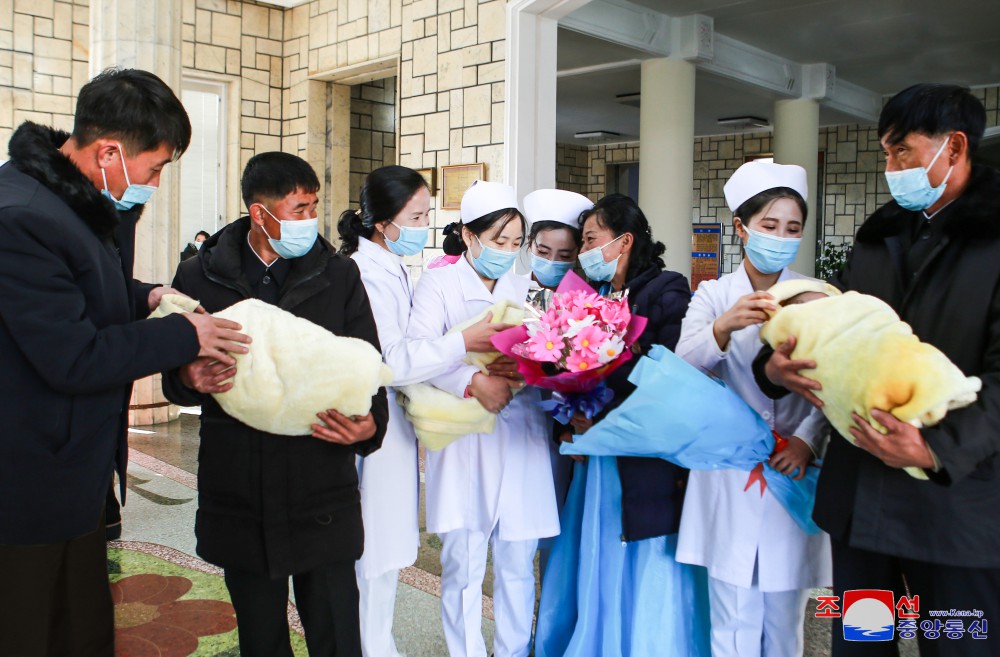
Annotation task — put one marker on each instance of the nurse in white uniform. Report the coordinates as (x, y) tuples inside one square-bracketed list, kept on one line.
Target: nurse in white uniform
[(761, 565), (391, 223), (486, 488), (554, 241)]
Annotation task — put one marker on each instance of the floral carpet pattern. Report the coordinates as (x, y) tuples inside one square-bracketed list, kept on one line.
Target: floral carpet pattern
[(173, 605)]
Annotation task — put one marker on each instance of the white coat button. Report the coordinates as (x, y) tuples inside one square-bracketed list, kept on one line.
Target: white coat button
[(766, 415), (505, 414)]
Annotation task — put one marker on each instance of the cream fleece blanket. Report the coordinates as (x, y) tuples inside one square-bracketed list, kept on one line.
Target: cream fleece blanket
[(294, 369), (866, 357), (440, 418)]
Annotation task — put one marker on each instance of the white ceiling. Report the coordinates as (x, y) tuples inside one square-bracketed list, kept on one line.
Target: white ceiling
[(881, 45)]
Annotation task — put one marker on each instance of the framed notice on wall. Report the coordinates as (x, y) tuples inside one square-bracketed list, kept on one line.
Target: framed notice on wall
[(706, 253), (455, 180)]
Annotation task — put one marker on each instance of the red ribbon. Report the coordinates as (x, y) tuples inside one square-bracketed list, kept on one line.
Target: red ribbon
[(757, 474)]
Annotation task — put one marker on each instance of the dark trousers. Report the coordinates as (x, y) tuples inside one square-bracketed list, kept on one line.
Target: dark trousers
[(55, 600), (327, 600), (939, 587)]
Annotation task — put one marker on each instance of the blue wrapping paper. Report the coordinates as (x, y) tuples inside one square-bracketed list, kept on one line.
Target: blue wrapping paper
[(680, 414)]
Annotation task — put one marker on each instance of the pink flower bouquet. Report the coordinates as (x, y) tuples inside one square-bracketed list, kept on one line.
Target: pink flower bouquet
[(574, 345)]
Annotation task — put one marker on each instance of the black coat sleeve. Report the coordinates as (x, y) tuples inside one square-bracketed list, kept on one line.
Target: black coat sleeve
[(47, 314), (175, 391), (360, 323)]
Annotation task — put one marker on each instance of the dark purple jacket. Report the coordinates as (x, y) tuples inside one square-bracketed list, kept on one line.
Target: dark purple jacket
[(652, 489)]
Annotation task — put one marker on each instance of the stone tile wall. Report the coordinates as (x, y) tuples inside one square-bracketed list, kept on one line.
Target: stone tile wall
[(241, 43), (44, 48), (451, 74), (373, 131)]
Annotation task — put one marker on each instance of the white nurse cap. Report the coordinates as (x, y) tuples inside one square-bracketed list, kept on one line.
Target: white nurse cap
[(755, 177), (556, 205), (482, 198)]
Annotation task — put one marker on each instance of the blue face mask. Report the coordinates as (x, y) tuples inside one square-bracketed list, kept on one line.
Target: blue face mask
[(133, 194), (492, 263), (297, 237), (411, 240), (912, 189), (770, 254), (549, 272), (594, 265)]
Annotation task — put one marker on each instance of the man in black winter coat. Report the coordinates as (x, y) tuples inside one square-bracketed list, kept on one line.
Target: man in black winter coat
[(933, 254), (272, 507), (71, 345)]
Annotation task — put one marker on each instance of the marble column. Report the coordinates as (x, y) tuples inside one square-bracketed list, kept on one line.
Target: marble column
[(666, 156), (796, 141), (146, 35)]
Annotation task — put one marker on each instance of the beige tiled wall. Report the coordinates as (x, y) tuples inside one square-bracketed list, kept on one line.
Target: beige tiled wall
[(44, 48), (373, 131), (240, 43)]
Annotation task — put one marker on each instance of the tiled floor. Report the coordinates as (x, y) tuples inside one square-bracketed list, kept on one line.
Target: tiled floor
[(156, 559)]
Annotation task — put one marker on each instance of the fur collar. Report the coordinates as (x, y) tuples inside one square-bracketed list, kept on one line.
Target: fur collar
[(34, 150), (973, 215)]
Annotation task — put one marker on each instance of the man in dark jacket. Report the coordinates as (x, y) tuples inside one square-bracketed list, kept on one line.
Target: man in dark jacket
[(71, 346), (270, 506), (933, 254)]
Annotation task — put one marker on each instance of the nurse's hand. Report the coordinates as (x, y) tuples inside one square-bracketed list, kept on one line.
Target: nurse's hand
[(506, 367), (477, 337), (795, 456), (492, 392), (747, 311), (781, 370)]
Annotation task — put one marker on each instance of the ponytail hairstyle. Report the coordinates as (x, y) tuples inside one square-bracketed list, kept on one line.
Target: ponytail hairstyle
[(498, 219), (385, 193), (621, 215)]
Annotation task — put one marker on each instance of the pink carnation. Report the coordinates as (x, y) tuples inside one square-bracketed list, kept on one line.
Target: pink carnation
[(616, 314)]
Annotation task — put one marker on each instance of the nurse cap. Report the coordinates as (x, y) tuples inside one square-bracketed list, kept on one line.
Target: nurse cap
[(482, 198), (755, 177), (556, 205)]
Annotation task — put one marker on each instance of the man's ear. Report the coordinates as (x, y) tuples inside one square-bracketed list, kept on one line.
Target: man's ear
[(958, 148), (106, 151), (256, 213)]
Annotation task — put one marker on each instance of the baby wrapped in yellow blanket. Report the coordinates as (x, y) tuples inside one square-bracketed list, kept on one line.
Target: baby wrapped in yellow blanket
[(866, 358), (294, 370), (440, 418)]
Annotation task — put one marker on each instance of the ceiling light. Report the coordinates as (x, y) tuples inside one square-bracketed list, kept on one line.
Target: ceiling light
[(596, 134), (631, 99), (744, 122)]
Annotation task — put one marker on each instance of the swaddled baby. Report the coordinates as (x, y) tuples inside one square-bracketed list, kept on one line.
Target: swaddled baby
[(866, 358), (295, 369)]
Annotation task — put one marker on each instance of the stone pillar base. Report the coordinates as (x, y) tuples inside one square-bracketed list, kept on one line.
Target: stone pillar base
[(148, 405)]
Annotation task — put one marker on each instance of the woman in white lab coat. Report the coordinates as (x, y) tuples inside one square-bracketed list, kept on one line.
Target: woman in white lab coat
[(391, 223), (554, 241), (485, 488), (761, 565)]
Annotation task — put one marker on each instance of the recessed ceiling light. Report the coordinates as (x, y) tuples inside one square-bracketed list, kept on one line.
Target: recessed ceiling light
[(744, 122), (596, 134)]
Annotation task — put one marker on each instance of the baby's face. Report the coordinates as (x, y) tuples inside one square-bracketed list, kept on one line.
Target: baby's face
[(803, 297)]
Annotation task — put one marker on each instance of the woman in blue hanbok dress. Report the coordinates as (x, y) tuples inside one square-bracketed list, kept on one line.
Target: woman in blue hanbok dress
[(613, 587)]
